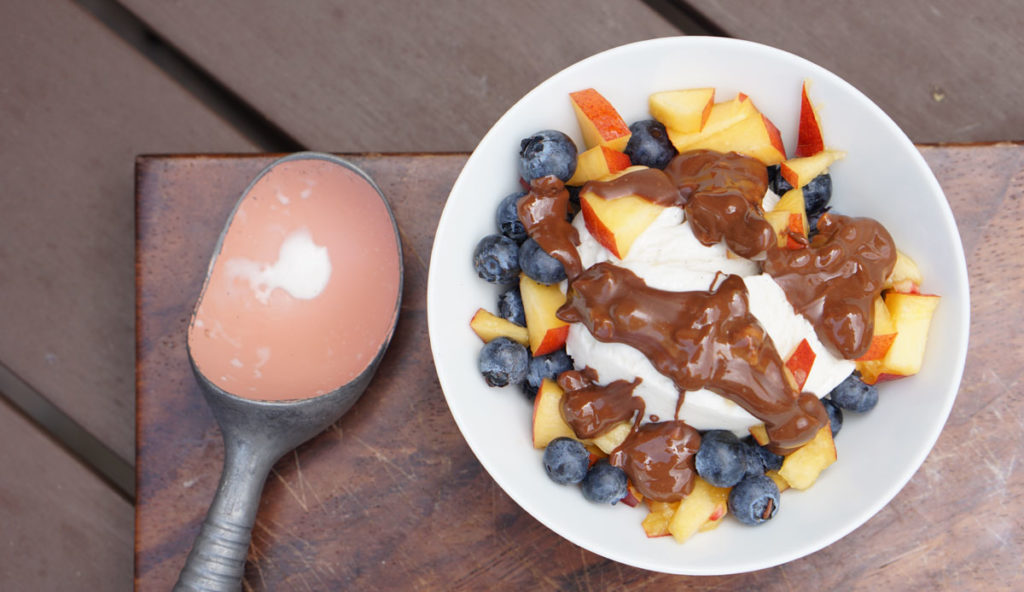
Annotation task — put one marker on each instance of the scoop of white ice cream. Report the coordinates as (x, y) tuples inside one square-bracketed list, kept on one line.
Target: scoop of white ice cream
[(668, 257)]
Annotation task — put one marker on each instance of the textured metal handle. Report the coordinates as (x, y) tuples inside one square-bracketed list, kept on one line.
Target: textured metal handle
[(217, 560)]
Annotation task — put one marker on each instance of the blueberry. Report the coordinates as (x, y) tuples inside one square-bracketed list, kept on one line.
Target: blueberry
[(496, 259), (769, 460), (604, 484), (775, 181), (649, 145), (812, 221), (548, 152), (835, 416), (818, 194), (854, 395), (574, 200), (507, 217), (510, 307), (566, 460), (504, 362), (546, 366), (758, 458), (721, 460), (538, 265), (751, 458), (754, 500)]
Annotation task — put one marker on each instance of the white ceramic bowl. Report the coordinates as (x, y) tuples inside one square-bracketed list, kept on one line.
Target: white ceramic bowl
[(883, 176)]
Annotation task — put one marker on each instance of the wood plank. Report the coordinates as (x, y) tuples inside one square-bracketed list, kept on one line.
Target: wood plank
[(392, 76), (77, 105), (944, 70), (392, 498), (61, 527)]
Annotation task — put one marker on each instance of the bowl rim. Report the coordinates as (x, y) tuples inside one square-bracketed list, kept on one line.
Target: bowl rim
[(957, 267)]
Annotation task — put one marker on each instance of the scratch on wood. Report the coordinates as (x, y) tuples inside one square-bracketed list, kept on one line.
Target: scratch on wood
[(407, 247), (384, 459), (304, 484), (926, 547), (264, 528), (349, 493), (300, 501), (259, 572)]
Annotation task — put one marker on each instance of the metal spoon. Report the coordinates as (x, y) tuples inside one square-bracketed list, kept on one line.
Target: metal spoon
[(256, 434)]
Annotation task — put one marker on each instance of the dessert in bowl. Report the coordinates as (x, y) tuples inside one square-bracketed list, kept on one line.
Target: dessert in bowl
[(882, 176)]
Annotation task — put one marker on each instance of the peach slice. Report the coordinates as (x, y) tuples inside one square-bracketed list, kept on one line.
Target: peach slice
[(600, 123), (616, 223), (912, 316), (800, 171), (548, 422), (633, 496), (755, 136), (884, 333), (540, 303), (596, 163), (488, 327), (698, 508), (611, 439), (809, 140), (800, 363), (760, 434), (789, 219), (722, 116), (905, 276), (801, 468), (685, 111), (717, 515), (781, 483), (658, 518)]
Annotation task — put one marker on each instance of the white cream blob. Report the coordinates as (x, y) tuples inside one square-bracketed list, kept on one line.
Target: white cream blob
[(302, 269), (668, 257)]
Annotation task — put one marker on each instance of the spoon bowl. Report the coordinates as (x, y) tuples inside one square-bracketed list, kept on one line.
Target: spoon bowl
[(256, 430)]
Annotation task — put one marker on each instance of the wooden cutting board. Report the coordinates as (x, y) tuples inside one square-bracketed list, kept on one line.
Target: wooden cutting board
[(391, 497)]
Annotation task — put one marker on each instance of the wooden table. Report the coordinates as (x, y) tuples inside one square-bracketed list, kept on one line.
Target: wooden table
[(392, 498)]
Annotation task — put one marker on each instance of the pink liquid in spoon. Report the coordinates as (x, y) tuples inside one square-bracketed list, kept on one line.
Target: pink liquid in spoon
[(302, 294)]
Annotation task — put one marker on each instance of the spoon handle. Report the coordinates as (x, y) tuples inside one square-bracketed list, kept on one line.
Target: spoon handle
[(217, 560)]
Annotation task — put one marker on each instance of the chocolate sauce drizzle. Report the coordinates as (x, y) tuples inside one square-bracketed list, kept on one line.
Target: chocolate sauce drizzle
[(543, 213), (658, 458), (592, 409), (699, 340), (834, 281), (723, 194)]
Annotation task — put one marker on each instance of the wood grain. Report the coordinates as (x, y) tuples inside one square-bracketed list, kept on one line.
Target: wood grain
[(61, 528), (367, 75), (392, 498), (945, 70), (75, 113)]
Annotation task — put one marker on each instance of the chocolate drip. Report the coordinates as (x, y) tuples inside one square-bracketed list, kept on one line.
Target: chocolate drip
[(543, 213), (699, 340), (658, 459), (834, 281), (592, 409), (652, 185), (723, 194)]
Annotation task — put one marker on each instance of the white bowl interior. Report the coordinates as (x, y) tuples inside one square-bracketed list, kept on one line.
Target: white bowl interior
[(883, 177)]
